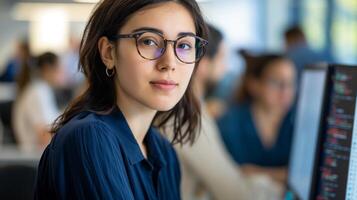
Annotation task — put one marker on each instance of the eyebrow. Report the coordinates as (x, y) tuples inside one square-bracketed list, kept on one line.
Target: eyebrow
[(160, 31)]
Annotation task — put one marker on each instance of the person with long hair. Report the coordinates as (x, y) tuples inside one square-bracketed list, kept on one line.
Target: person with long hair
[(35, 107), (19, 65), (139, 58), (257, 127)]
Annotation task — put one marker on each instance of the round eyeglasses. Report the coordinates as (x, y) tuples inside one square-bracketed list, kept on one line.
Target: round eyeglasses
[(151, 45)]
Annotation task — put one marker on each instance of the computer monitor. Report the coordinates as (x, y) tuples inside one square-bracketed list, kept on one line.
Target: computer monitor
[(336, 171), (305, 140)]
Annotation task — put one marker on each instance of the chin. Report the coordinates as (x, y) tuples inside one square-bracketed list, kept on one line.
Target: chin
[(162, 104), (164, 107)]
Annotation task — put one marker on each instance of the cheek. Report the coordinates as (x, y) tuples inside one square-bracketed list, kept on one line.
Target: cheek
[(270, 95), (185, 75), (128, 78), (130, 65), (282, 98), (288, 96), (131, 74)]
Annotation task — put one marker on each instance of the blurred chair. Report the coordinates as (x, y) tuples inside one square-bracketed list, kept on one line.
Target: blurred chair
[(17, 182), (1, 132), (6, 120)]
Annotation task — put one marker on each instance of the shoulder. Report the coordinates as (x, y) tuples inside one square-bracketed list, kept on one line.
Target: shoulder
[(235, 112), (35, 91), (166, 148), (29, 99), (37, 87), (162, 141), (84, 129), (288, 121)]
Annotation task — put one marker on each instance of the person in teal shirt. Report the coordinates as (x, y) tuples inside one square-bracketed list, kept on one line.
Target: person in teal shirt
[(257, 128)]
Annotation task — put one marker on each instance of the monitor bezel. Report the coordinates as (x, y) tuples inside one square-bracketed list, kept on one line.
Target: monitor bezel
[(314, 67)]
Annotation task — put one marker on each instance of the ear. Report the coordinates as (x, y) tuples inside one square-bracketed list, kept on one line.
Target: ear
[(106, 50)]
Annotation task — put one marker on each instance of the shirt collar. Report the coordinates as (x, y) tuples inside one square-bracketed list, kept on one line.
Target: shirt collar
[(130, 146), (118, 123), (154, 144)]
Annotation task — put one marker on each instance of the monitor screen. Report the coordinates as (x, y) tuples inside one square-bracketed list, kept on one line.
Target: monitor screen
[(306, 130), (337, 168)]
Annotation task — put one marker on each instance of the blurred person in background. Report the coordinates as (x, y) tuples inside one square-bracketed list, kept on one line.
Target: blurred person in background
[(299, 51), (70, 58), (22, 56), (15, 75), (75, 80), (208, 171), (257, 127), (35, 107), (214, 69)]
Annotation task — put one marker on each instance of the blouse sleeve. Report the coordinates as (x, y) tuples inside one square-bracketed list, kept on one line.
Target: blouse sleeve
[(89, 164)]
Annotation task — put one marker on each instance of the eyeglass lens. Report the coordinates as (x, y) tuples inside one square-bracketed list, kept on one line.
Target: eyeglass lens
[(151, 46)]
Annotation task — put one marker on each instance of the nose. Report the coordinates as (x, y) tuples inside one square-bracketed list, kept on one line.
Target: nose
[(168, 60)]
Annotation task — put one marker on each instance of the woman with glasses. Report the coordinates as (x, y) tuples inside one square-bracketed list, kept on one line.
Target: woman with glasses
[(257, 128), (138, 58)]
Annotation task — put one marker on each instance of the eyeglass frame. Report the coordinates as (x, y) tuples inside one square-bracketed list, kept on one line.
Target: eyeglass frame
[(136, 36), (273, 83)]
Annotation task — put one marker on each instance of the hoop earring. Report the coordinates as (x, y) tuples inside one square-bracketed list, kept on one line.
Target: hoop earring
[(110, 72)]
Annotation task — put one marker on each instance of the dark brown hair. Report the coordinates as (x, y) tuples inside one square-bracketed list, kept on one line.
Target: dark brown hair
[(215, 37), (100, 96), (256, 66), (294, 35), (47, 60), (24, 76)]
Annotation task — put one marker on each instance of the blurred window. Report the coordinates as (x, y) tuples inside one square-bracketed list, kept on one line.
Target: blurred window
[(343, 31)]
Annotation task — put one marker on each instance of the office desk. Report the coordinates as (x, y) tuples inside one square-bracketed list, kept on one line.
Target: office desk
[(10, 155)]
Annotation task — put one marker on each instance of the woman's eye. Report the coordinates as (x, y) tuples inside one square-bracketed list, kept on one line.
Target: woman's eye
[(184, 46), (149, 42)]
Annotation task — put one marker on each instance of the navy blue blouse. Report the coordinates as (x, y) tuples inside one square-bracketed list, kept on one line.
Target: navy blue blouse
[(242, 140), (97, 157)]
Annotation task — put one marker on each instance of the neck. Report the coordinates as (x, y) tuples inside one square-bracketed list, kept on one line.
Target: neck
[(46, 79), (139, 117)]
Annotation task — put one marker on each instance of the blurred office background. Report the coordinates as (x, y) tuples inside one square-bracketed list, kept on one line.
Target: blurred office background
[(330, 27)]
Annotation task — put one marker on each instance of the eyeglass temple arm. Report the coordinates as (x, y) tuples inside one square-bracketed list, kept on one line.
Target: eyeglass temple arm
[(116, 37)]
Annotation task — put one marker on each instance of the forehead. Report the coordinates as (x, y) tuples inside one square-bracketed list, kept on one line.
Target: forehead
[(280, 68), (169, 17)]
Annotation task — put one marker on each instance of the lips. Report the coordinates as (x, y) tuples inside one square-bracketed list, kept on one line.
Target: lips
[(164, 84)]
